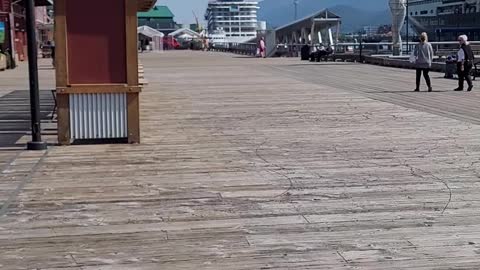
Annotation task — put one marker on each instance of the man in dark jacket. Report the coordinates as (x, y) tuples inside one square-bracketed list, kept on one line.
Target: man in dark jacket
[(465, 58)]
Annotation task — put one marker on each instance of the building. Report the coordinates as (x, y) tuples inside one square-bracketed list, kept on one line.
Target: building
[(237, 18), (322, 27), (370, 30), (12, 18), (445, 19), (44, 23), (160, 18)]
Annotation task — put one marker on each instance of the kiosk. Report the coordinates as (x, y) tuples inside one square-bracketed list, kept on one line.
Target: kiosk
[(96, 63)]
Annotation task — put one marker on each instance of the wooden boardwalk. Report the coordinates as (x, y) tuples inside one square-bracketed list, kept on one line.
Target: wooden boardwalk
[(258, 164)]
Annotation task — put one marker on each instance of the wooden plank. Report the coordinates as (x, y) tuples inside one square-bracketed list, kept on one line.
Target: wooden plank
[(98, 89)]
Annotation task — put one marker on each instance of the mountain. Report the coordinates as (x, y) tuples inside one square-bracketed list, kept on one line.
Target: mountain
[(355, 14), (354, 19)]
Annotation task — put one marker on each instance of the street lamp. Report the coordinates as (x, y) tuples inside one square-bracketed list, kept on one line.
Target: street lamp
[(36, 143), (295, 4)]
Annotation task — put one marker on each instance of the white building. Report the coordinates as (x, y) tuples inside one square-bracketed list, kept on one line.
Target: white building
[(426, 8), (445, 20), (237, 18), (370, 30)]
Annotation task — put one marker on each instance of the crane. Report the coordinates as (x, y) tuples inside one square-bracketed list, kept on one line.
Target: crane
[(199, 27)]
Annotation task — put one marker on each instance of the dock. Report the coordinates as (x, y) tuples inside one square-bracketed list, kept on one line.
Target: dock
[(250, 163)]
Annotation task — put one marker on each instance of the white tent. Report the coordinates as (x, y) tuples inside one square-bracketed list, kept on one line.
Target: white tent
[(149, 32), (185, 33), (156, 36)]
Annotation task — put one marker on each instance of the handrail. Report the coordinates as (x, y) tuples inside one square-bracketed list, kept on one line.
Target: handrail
[(370, 48)]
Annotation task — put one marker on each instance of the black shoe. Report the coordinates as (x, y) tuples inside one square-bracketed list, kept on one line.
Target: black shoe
[(470, 88), (458, 89), (430, 89), (416, 90)]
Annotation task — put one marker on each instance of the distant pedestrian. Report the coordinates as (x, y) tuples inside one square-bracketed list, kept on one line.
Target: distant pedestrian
[(52, 47), (465, 58), (423, 61), (263, 48)]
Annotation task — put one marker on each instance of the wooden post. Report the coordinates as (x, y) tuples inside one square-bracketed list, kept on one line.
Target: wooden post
[(61, 62), (133, 103)]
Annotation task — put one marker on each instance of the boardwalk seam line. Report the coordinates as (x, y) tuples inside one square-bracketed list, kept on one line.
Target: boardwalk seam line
[(25, 180), (10, 161), (340, 254)]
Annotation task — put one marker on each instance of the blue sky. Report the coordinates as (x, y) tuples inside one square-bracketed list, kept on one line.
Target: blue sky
[(183, 9)]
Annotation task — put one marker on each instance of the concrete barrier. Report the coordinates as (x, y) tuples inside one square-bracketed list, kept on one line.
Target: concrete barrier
[(400, 63)]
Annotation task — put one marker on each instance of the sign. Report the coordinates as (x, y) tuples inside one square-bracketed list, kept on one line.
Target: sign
[(6, 5), (2, 32)]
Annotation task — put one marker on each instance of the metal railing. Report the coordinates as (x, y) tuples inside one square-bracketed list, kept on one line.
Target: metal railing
[(237, 48), (441, 49), (386, 47)]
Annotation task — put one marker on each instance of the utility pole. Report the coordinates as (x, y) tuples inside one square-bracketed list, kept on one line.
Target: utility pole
[(408, 27), (295, 4), (36, 143)]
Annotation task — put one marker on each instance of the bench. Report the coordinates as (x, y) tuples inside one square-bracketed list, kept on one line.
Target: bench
[(320, 55), (475, 49), (443, 53), (476, 69)]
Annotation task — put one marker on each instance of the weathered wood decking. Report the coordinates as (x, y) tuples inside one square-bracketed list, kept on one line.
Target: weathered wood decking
[(258, 164)]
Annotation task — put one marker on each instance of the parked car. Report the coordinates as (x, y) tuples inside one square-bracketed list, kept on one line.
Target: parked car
[(170, 43)]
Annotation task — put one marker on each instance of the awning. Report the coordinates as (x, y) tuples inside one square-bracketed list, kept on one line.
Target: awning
[(145, 5)]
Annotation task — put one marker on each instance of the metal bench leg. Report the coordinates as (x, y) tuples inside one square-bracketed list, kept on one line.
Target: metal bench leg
[(54, 95), (475, 73)]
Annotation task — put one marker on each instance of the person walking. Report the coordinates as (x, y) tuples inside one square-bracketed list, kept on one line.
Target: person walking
[(465, 58), (263, 48), (423, 61)]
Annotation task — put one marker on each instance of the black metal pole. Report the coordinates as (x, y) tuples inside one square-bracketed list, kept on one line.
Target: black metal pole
[(295, 4), (408, 26), (361, 47), (36, 143)]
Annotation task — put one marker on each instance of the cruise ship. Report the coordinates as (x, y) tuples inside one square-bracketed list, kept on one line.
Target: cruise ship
[(444, 20), (237, 18)]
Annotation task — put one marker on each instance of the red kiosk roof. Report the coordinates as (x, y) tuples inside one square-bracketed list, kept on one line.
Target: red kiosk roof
[(145, 5)]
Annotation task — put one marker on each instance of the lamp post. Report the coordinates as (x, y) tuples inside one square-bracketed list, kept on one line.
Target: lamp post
[(295, 4), (36, 143)]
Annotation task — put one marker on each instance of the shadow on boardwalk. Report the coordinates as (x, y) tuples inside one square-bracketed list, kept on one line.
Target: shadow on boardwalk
[(15, 115)]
